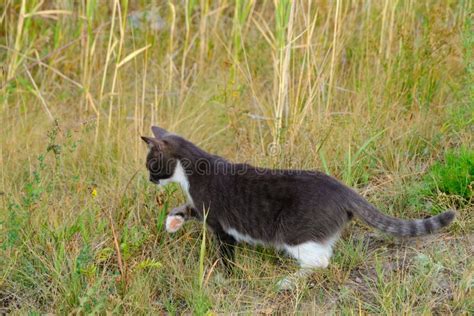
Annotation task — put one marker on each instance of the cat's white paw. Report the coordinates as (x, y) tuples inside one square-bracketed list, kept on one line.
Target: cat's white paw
[(288, 283), (294, 280), (285, 284), (174, 223)]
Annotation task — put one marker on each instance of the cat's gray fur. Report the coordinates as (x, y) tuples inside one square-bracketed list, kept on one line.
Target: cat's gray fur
[(283, 208)]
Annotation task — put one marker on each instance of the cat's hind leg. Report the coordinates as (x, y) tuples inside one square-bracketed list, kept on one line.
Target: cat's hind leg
[(310, 255), (226, 248)]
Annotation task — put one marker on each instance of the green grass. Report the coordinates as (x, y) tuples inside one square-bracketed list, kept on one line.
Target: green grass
[(376, 93), (454, 176), (447, 183)]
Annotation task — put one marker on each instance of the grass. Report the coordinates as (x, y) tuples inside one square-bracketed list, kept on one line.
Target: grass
[(376, 93), (450, 179), (455, 176)]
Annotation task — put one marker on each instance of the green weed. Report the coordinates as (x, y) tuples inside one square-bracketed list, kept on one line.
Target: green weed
[(453, 176)]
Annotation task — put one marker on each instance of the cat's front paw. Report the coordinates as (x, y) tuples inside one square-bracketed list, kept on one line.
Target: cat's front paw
[(174, 223)]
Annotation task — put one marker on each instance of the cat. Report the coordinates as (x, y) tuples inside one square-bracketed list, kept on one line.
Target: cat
[(297, 211)]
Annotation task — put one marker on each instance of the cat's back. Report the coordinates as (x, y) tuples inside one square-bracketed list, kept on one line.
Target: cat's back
[(280, 182)]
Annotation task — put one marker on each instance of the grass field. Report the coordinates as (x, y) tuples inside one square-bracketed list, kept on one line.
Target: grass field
[(379, 94)]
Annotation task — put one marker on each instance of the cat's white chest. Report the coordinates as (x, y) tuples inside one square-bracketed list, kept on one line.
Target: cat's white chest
[(179, 176)]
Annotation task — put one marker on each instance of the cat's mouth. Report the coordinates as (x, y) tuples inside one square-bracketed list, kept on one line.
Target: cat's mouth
[(155, 181)]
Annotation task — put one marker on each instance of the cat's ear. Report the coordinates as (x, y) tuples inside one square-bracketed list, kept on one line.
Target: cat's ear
[(158, 132), (151, 142)]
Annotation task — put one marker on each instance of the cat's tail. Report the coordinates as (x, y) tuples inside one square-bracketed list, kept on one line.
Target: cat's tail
[(399, 227)]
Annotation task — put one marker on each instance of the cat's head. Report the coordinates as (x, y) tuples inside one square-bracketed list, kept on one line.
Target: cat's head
[(161, 159)]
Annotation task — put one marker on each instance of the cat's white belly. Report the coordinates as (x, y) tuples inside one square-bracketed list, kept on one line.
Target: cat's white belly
[(311, 254), (243, 237)]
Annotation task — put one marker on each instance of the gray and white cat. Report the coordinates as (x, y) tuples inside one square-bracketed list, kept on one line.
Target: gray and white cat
[(300, 212)]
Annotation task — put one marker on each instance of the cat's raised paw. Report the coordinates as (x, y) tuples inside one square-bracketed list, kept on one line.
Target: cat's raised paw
[(174, 223)]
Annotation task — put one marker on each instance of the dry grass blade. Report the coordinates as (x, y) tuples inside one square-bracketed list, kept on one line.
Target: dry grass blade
[(132, 55), (37, 92), (51, 14)]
